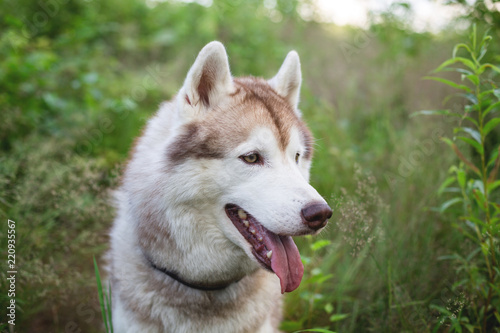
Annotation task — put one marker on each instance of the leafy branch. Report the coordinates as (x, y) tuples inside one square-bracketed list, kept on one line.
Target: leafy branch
[(477, 181)]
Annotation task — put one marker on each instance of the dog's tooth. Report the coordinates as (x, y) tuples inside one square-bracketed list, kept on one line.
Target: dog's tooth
[(246, 223), (269, 254), (260, 238), (241, 214), (252, 231)]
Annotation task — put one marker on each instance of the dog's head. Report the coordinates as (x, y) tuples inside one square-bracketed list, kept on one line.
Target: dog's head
[(253, 154)]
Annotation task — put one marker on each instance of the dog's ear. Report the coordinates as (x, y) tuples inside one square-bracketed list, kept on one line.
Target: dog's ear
[(208, 79), (287, 81)]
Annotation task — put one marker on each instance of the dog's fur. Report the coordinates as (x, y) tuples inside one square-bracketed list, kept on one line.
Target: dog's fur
[(187, 166)]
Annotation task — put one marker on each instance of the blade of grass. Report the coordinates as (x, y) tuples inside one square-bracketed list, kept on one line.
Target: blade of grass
[(101, 295), (109, 308)]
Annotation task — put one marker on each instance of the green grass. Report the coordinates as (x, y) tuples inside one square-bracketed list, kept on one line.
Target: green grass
[(76, 92), (104, 301)]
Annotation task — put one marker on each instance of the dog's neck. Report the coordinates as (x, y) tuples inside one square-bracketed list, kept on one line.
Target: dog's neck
[(203, 286)]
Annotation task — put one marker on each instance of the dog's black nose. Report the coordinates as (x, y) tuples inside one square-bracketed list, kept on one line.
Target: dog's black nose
[(316, 214)]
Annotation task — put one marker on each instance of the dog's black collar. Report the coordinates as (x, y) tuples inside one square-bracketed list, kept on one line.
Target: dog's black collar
[(197, 286)]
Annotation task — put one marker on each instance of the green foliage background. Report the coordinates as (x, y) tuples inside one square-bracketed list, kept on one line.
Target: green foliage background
[(79, 78)]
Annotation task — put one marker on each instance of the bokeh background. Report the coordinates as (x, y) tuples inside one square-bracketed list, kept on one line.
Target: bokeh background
[(79, 78)]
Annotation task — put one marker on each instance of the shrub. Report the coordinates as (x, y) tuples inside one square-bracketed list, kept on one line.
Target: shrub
[(473, 186)]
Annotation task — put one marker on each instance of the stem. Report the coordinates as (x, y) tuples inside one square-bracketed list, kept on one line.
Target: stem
[(484, 176)]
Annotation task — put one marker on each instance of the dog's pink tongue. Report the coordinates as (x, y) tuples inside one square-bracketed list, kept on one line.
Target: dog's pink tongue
[(286, 262)]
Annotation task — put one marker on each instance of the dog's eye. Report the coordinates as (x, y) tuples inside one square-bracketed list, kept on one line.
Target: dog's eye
[(252, 158), (297, 156)]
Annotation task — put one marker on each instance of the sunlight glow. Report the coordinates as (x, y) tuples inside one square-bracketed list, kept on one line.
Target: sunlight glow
[(427, 15)]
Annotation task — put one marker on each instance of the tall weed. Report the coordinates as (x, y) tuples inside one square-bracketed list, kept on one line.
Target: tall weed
[(473, 187)]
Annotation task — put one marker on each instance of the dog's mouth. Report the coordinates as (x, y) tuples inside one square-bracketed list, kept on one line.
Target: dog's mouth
[(275, 253)]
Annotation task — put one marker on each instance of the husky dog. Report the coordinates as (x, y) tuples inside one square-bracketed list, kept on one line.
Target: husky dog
[(215, 188)]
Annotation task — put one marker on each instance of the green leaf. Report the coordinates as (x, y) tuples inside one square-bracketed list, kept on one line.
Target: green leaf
[(472, 120), (472, 132), (493, 157), (485, 40), (459, 46), (478, 185), (445, 184), (482, 53), (497, 315), (473, 143), (459, 70), (485, 93), (490, 125), (490, 108), (451, 257), (319, 244), (485, 248), (496, 166), (329, 308), (318, 279), (496, 92), (459, 283), (454, 60), (473, 222), (440, 309), (494, 185), (483, 68), (288, 325), (449, 203), (456, 324), (338, 317), (461, 177), (473, 254), (471, 97), (434, 113), (450, 83), (494, 287), (474, 79), (465, 233), (496, 207)]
